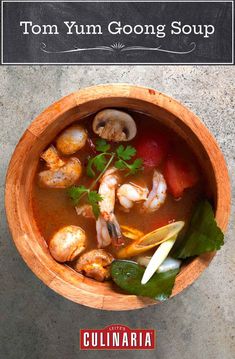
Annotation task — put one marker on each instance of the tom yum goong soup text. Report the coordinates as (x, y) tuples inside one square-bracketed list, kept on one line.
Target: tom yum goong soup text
[(120, 197)]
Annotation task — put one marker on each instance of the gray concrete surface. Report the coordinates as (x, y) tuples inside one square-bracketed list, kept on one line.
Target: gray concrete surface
[(36, 322)]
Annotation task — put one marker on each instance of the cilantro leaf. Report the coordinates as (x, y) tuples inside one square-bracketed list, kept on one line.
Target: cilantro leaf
[(89, 170), (135, 166), (132, 167), (203, 234), (127, 275), (75, 193), (102, 145), (94, 198), (100, 162), (120, 164), (126, 153), (122, 154)]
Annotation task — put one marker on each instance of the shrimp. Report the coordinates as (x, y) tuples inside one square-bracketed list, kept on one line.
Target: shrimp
[(61, 174), (157, 195), (129, 193), (107, 226)]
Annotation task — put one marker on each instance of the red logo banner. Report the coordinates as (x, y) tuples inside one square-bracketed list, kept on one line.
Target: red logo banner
[(117, 337)]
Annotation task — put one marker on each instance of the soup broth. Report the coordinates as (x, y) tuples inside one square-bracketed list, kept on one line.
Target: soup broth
[(53, 209)]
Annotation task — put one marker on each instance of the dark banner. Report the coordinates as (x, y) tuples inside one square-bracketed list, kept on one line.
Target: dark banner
[(117, 32)]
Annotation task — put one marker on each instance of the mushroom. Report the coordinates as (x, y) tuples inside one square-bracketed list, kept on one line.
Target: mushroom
[(71, 140), (68, 243), (52, 159), (61, 174), (95, 264), (114, 125)]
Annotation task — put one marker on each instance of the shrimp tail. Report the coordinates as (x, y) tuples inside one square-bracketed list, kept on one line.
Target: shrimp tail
[(103, 236), (108, 229), (115, 231)]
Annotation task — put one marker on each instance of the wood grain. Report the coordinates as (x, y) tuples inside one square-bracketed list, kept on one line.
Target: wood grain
[(43, 130)]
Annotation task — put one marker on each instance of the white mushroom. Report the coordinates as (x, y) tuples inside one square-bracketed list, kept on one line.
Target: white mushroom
[(61, 174), (95, 264), (71, 140), (68, 243), (114, 125)]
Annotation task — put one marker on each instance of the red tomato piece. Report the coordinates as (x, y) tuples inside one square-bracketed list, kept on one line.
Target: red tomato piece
[(180, 174), (152, 148)]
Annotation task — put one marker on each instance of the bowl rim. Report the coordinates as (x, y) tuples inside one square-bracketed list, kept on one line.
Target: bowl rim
[(50, 115)]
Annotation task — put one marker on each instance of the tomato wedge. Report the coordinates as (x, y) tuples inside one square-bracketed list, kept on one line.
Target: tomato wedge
[(152, 148), (180, 174)]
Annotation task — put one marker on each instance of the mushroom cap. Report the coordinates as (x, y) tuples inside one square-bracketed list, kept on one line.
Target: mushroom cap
[(114, 125), (95, 264), (68, 243), (63, 177), (71, 140)]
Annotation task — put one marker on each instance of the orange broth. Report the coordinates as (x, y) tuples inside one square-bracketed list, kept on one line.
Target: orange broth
[(53, 208)]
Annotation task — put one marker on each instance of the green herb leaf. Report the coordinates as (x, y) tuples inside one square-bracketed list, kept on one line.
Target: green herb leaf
[(203, 234), (127, 275), (89, 170), (123, 154), (100, 162), (102, 145), (75, 193), (94, 198), (120, 164), (132, 167), (126, 153), (135, 166)]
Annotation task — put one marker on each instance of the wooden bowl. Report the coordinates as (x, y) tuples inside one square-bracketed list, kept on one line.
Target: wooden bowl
[(44, 129)]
